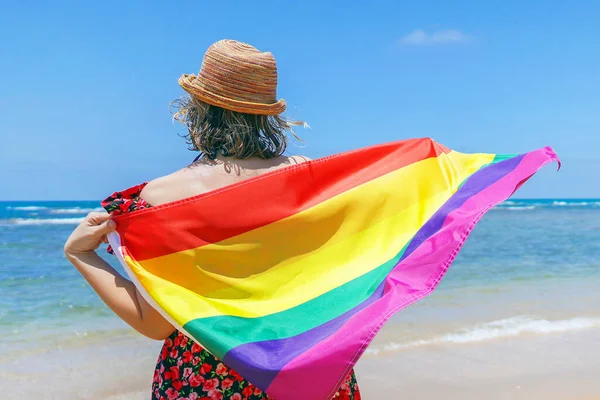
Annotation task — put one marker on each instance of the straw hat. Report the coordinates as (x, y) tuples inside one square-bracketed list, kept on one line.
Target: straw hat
[(237, 77)]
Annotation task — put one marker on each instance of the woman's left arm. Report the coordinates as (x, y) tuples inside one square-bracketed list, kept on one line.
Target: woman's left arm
[(118, 293)]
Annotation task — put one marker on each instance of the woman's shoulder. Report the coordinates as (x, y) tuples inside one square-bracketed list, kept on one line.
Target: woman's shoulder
[(138, 196), (298, 159), (182, 183), (166, 188)]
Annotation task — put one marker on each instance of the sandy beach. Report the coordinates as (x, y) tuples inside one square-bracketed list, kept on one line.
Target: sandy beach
[(554, 366)]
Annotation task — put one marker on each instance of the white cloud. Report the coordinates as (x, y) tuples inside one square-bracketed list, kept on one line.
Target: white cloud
[(419, 37)]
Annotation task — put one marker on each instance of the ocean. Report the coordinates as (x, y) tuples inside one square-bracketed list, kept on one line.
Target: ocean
[(530, 268)]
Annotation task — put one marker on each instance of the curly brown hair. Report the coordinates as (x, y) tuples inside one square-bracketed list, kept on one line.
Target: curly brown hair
[(212, 129)]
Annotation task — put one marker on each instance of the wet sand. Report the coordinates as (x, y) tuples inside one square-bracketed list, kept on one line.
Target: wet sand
[(555, 366)]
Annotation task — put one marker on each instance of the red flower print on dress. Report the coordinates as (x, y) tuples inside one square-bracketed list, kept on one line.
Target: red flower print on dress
[(175, 373), (215, 395), (236, 396), (236, 376), (221, 369), (345, 387), (196, 348), (344, 396), (227, 383), (174, 353), (196, 380), (172, 394), (247, 391), (210, 384), (187, 357), (206, 368)]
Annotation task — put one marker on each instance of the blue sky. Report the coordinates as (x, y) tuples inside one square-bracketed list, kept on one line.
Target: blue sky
[(85, 86)]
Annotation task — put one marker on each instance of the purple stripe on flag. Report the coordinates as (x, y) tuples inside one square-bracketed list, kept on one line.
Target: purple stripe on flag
[(263, 360)]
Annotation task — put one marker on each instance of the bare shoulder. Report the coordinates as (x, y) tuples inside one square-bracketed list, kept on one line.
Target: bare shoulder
[(201, 178), (154, 192), (298, 159)]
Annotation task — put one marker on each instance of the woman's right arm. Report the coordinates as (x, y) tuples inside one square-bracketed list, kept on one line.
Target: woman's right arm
[(118, 293)]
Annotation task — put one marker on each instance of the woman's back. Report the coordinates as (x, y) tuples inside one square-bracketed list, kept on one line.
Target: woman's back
[(207, 175)]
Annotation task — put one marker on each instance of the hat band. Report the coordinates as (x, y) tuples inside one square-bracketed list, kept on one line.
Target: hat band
[(241, 106)]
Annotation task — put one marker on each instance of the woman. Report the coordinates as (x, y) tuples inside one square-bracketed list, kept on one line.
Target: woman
[(233, 121)]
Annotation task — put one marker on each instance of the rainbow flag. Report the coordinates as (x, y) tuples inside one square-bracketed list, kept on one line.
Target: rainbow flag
[(287, 277)]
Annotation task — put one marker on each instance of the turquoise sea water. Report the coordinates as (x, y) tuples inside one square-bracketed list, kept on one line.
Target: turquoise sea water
[(530, 266)]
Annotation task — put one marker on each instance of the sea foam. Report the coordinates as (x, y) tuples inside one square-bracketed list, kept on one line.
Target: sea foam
[(75, 210), (46, 221), (505, 328), (27, 208)]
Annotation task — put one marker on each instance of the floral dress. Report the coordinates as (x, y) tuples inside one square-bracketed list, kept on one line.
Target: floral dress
[(185, 370)]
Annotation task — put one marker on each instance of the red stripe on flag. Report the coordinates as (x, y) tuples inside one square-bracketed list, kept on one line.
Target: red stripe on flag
[(255, 202)]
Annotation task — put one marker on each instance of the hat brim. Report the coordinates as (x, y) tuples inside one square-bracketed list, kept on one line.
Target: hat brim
[(187, 82)]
